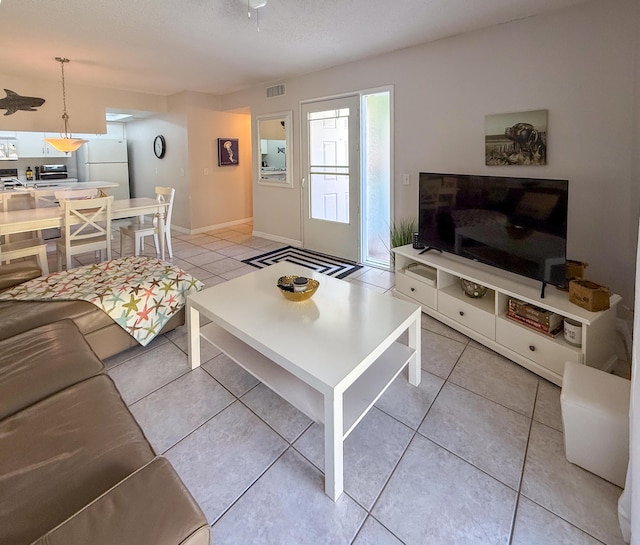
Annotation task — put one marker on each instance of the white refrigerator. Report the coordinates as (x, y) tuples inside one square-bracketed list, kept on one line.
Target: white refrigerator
[(105, 160)]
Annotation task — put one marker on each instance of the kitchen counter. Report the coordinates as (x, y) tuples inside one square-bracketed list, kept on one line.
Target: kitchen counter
[(11, 185), (19, 198), (276, 174), (43, 186)]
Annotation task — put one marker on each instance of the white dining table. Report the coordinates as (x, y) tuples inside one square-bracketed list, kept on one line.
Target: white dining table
[(34, 219)]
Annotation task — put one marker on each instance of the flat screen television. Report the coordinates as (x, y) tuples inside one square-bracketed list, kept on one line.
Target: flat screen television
[(516, 224)]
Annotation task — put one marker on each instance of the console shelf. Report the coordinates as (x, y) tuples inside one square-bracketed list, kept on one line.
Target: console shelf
[(433, 281)]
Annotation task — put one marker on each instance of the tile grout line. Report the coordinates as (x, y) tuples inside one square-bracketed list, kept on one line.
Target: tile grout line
[(395, 467), (582, 530), (524, 464)]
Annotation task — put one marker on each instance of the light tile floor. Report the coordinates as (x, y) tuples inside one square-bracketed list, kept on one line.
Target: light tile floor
[(474, 455)]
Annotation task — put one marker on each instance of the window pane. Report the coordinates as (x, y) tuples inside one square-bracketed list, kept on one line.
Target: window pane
[(329, 163), (376, 115)]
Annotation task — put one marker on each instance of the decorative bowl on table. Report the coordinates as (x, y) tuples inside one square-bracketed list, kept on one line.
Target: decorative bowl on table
[(472, 289), (297, 288)]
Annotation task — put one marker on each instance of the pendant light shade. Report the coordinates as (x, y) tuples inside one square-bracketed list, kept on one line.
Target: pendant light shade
[(66, 142)]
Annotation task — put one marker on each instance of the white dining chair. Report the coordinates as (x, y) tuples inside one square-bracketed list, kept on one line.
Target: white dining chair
[(71, 194), (26, 248), (86, 228), (138, 231)]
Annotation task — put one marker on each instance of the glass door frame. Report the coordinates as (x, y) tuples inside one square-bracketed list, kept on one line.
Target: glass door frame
[(363, 182), (363, 211)]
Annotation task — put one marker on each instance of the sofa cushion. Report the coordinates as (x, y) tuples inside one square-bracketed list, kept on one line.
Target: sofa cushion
[(62, 453), (41, 362), (16, 273), (164, 513), (19, 316), (103, 335)]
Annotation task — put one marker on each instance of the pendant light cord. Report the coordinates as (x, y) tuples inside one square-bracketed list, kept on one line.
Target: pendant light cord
[(66, 142), (65, 115)]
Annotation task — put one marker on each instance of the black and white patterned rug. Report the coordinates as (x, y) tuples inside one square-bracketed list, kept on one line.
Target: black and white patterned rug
[(326, 264)]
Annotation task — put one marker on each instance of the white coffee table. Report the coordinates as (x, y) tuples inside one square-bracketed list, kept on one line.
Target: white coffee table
[(331, 357)]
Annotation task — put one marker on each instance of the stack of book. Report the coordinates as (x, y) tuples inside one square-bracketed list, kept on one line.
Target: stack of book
[(537, 318)]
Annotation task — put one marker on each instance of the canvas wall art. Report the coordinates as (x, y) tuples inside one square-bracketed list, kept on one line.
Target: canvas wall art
[(227, 152), (516, 139)]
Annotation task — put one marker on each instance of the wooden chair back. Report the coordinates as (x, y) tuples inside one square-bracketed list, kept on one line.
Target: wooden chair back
[(87, 219)]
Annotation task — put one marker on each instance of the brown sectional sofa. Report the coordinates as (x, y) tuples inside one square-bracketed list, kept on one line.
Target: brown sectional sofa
[(103, 335), (75, 467)]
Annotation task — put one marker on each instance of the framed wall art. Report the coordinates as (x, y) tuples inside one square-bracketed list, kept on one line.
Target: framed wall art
[(516, 139), (228, 152)]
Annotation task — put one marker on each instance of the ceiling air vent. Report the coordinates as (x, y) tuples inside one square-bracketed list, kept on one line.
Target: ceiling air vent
[(276, 91)]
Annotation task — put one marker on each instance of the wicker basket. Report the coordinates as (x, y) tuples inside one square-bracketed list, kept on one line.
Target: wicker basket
[(575, 269), (589, 295)]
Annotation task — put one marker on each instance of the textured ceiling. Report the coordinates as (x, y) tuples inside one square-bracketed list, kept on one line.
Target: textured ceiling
[(167, 46)]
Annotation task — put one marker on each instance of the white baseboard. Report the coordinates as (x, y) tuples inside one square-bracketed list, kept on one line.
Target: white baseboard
[(268, 236), (209, 227), (180, 230), (276, 238)]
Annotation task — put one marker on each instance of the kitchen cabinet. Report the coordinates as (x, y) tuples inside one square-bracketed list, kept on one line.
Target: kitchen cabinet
[(8, 149), (32, 144)]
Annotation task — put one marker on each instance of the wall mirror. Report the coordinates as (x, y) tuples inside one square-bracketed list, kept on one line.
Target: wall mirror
[(273, 145)]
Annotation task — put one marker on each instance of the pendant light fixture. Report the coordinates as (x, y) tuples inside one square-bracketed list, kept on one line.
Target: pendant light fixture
[(66, 142)]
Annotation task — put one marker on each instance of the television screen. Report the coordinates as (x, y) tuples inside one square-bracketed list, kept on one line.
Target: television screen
[(516, 224)]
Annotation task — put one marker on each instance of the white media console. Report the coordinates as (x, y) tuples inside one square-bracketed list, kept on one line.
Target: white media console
[(432, 280)]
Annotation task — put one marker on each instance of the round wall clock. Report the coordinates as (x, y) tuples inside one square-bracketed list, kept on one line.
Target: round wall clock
[(159, 146)]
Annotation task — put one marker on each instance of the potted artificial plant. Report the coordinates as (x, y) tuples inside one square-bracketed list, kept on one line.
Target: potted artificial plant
[(401, 233)]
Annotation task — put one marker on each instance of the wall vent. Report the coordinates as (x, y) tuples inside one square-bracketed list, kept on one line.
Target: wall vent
[(276, 91)]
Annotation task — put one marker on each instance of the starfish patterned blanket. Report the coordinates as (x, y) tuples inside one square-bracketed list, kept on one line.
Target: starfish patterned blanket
[(140, 294)]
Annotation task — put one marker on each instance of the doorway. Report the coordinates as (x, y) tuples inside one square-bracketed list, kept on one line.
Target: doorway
[(331, 177), (347, 164)]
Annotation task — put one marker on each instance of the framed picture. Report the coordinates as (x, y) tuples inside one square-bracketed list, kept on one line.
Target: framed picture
[(228, 152), (516, 139)]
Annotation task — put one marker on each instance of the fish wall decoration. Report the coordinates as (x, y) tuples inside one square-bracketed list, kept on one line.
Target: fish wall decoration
[(14, 102)]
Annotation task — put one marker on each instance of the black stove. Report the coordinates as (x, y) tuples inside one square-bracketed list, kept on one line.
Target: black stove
[(8, 173), (8, 178)]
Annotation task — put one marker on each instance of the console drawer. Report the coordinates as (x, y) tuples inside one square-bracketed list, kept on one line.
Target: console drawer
[(421, 292), (467, 314), (549, 352)]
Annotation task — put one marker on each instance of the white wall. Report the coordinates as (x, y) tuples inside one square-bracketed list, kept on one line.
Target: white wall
[(86, 105), (147, 171), (578, 63), (191, 128), (223, 195)]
